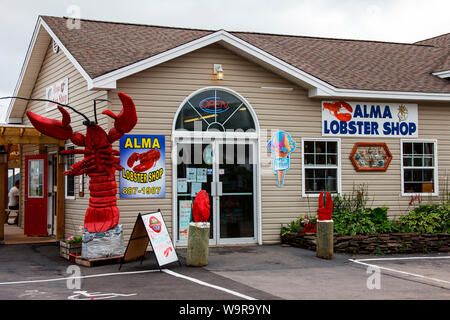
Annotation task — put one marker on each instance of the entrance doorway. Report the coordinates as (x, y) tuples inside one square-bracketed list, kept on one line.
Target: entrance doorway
[(36, 195), (227, 172), (215, 148)]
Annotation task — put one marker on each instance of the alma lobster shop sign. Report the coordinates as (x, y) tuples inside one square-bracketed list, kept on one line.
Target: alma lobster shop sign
[(370, 119), (143, 174)]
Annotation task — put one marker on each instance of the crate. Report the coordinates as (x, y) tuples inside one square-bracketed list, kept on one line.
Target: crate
[(68, 249), (98, 261)]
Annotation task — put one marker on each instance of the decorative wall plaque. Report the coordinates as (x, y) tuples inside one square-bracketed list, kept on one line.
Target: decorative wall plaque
[(370, 156)]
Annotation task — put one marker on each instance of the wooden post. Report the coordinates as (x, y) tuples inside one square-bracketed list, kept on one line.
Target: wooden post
[(198, 245), (60, 195), (325, 242)]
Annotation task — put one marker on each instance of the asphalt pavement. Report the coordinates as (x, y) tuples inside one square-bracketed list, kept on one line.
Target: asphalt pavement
[(269, 272)]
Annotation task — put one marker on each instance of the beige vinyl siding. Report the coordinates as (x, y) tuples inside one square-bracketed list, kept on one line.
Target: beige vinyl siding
[(55, 67), (159, 91)]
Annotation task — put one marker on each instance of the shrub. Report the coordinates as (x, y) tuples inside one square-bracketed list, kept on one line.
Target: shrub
[(427, 218)]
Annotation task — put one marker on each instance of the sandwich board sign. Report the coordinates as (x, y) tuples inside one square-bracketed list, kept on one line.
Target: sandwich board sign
[(150, 227)]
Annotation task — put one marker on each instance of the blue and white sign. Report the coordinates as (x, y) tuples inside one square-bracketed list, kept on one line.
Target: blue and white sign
[(370, 119), (143, 160)]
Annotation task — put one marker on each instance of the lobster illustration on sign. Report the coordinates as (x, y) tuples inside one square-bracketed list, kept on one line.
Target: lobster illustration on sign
[(99, 162), (147, 160), (338, 110)]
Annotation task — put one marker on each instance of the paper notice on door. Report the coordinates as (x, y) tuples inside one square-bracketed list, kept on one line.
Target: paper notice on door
[(191, 174), (196, 187), (201, 174), (181, 185), (185, 217)]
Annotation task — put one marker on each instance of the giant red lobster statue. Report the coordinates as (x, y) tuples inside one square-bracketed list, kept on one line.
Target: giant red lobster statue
[(100, 161)]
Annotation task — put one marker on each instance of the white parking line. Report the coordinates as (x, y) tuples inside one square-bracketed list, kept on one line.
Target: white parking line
[(403, 258), (399, 271), (169, 272), (208, 285), (77, 277)]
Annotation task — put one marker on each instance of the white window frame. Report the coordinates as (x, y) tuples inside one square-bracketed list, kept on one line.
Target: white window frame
[(66, 177), (338, 166), (435, 168)]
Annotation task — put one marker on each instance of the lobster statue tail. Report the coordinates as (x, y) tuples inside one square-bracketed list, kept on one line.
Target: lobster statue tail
[(58, 129)]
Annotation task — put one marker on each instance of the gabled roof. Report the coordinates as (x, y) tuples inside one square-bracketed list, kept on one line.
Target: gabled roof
[(105, 52), (443, 41)]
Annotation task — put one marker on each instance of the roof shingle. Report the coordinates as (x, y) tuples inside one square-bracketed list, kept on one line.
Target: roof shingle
[(102, 47)]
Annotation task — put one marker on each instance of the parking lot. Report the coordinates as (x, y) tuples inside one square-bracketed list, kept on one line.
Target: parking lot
[(270, 272)]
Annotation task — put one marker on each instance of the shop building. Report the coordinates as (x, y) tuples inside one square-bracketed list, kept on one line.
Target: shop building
[(359, 112)]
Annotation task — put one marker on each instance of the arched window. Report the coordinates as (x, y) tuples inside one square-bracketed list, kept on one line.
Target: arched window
[(215, 109)]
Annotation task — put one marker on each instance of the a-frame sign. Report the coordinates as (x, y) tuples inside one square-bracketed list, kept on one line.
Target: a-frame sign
[(150, 227)]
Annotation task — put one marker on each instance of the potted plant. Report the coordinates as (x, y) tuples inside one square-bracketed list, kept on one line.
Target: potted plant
[(70, 247)]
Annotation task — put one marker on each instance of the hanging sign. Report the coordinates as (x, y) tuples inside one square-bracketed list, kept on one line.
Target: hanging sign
[(150, 227), (143, 160), (364, 119), (281, 145), (59, 92)]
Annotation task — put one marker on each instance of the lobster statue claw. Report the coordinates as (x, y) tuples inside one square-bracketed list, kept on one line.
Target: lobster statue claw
[(100, 160), (58, 129), (125, 120), (325, 206)]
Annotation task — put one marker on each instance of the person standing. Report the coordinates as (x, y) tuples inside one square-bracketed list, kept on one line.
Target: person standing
[(13, 203)]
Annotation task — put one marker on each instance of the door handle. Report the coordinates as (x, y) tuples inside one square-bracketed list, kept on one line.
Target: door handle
[(219, 188), (216, 188), (213, 189)]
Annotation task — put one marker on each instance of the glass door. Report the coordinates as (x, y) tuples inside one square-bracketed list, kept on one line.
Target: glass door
[(236, 200), (194, 173), (227, 172)]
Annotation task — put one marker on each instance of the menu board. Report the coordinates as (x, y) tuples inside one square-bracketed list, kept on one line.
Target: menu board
[(144, 169), (159, 238)]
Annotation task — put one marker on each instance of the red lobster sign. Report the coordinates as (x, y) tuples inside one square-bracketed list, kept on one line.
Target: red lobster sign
[(100, 161)]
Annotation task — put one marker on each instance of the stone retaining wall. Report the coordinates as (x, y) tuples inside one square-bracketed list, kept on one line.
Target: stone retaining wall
[(377, 243)]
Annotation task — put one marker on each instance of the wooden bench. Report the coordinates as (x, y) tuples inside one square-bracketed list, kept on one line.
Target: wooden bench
[(8, 216)]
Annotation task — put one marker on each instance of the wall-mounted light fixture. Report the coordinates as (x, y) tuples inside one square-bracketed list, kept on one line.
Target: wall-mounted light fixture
[(218, 71)]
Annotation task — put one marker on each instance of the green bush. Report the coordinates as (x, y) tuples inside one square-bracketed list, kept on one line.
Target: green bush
[(348, 222), (294, 226), (427, 218), (351, 215)]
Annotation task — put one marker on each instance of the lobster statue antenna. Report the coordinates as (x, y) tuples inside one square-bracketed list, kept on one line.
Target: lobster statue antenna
[(95, 108), (55, 102), (100, 160)]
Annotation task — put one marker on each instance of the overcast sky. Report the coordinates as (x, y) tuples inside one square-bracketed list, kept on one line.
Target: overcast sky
[(385, 20)]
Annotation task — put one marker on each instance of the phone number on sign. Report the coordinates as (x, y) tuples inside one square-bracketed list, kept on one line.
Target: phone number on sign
[(134, 190)]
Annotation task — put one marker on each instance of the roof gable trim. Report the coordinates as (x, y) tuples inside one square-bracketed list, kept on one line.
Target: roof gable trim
[(317, 88), (442, 74), (108, 81), (66, 52)]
